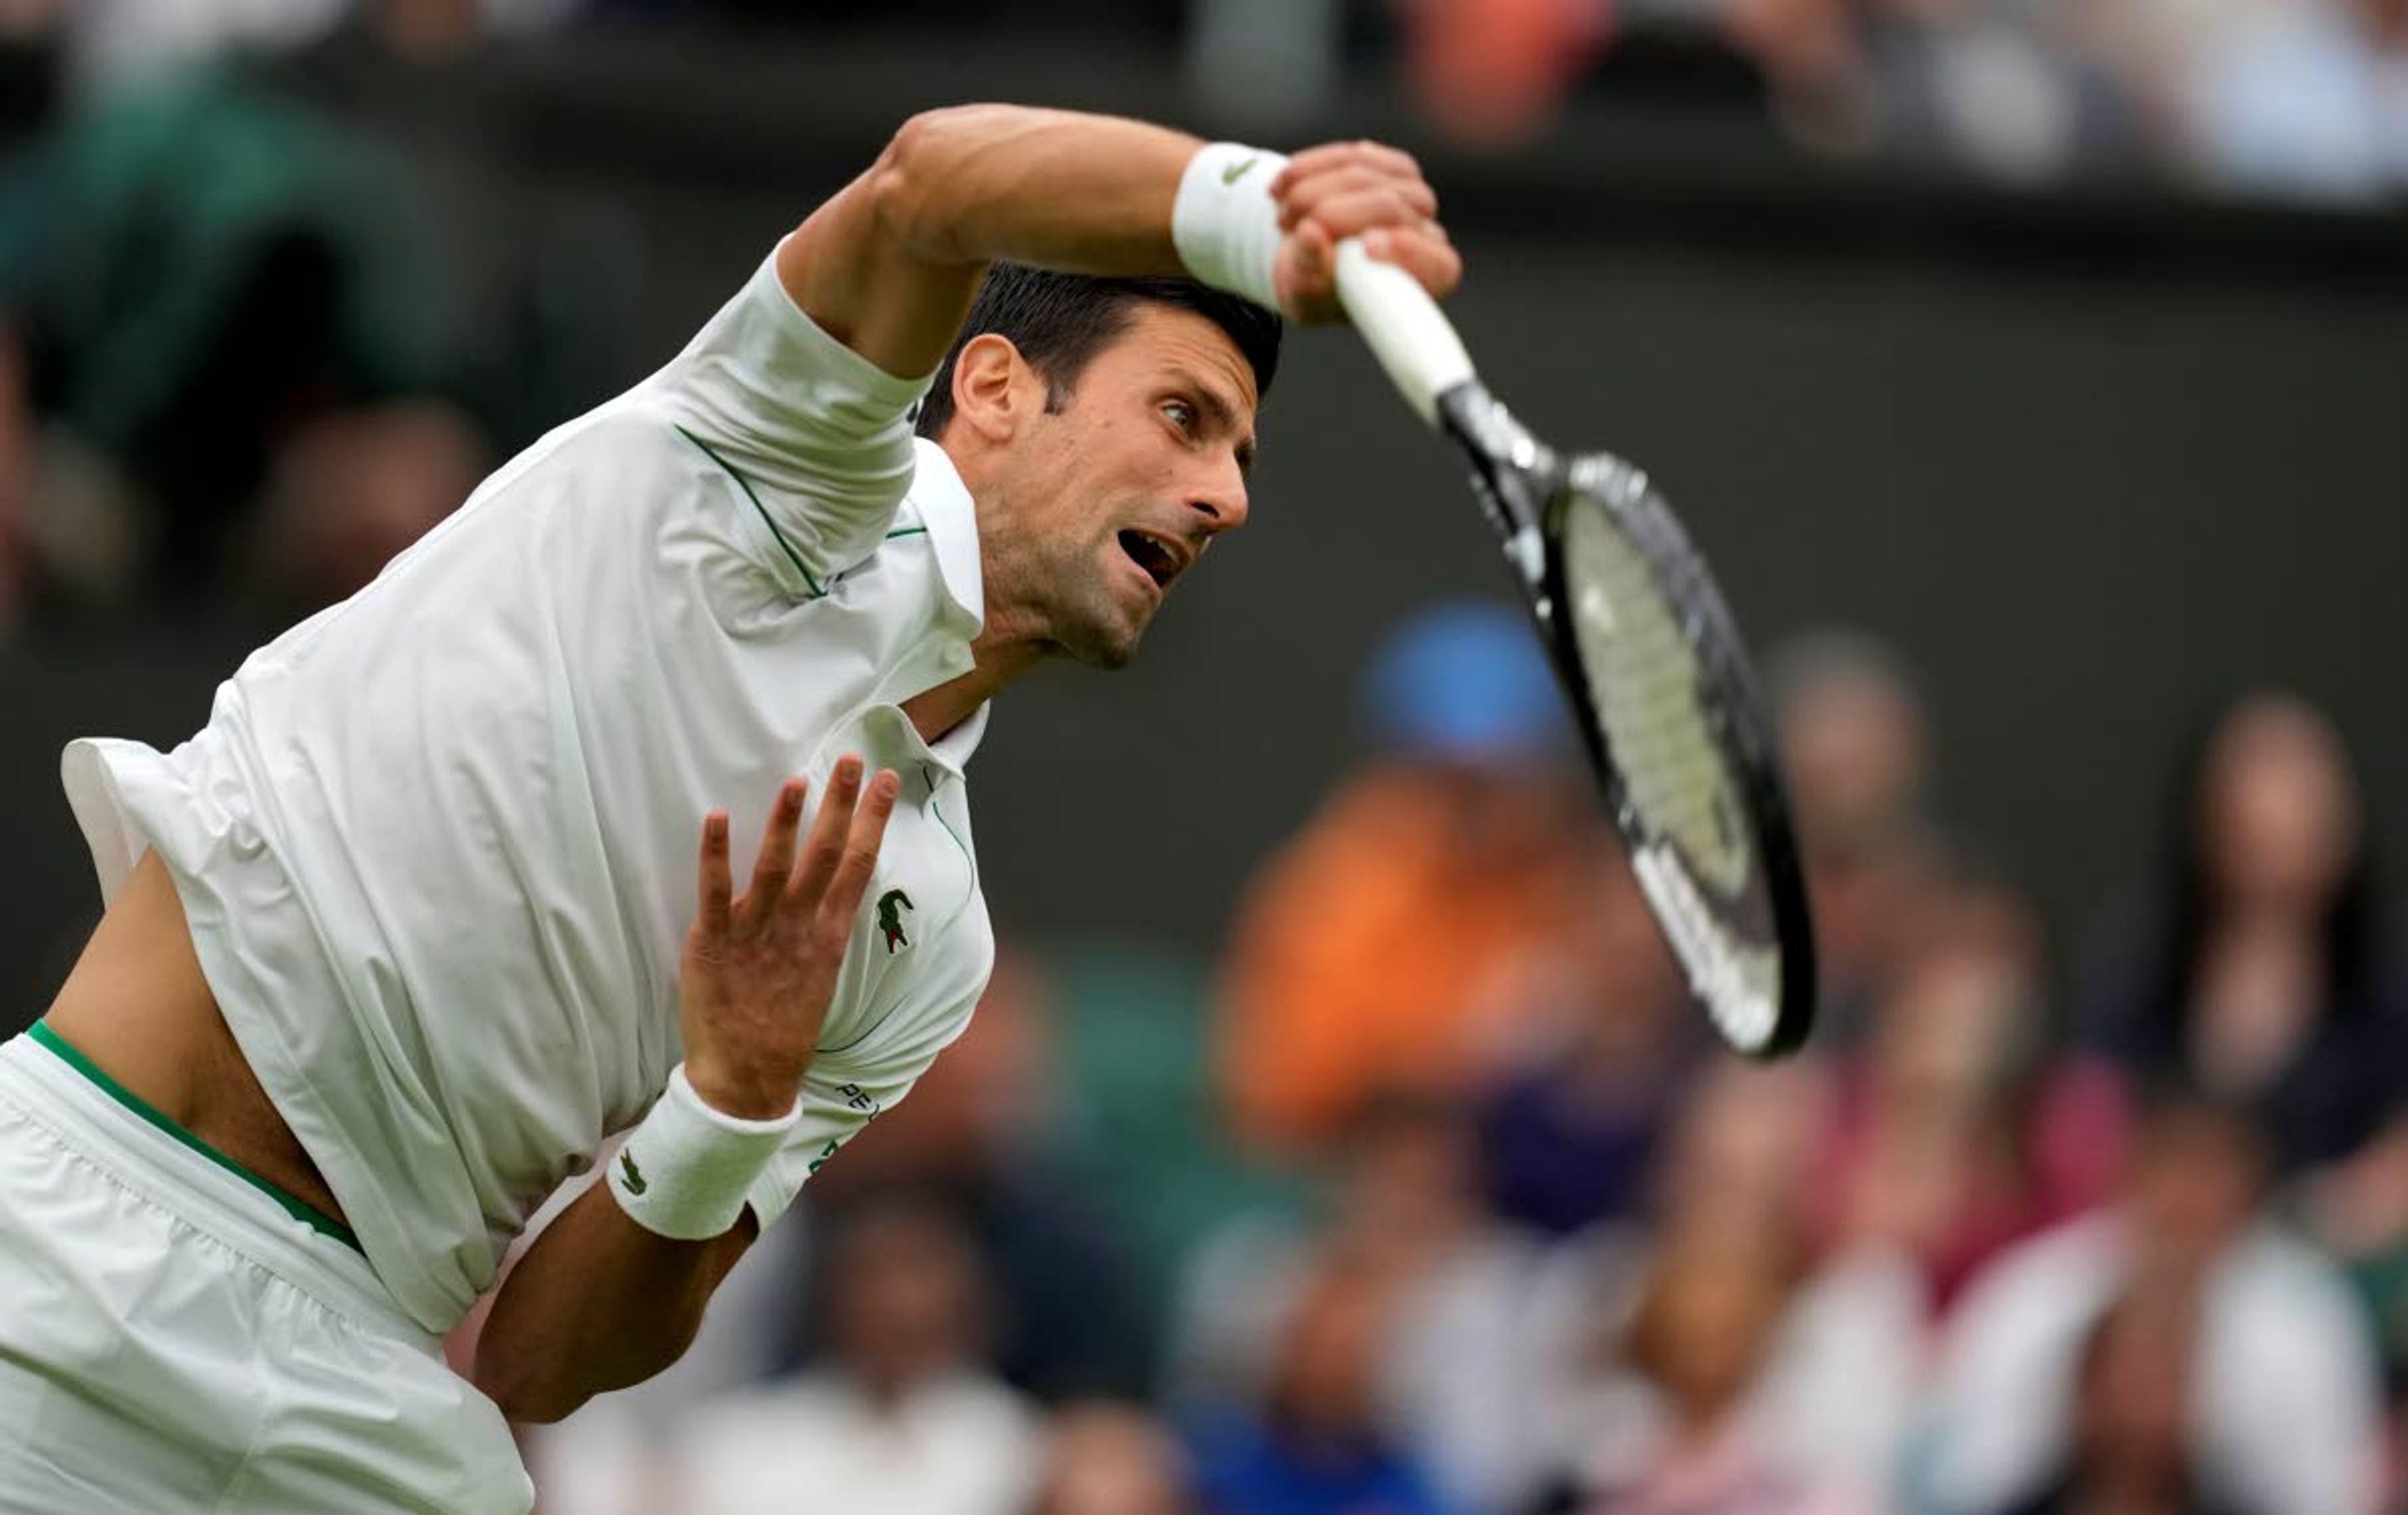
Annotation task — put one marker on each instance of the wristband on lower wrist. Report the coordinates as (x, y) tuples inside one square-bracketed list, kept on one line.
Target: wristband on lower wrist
[(1225, 223), (685, 1169)]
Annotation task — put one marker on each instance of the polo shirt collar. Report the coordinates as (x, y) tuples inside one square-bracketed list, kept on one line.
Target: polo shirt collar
[(948, 512), (945, 511)]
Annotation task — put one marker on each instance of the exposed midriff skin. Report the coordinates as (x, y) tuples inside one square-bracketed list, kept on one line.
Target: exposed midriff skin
[(137, 1006)]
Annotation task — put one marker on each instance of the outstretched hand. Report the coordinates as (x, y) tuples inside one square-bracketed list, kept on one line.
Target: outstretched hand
[(1329, 193), (759, 969)]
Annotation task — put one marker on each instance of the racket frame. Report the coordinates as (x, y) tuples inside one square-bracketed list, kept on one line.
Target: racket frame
[(1525, 491)]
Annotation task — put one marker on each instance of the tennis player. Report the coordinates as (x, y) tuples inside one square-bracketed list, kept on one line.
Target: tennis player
[(443, 895)]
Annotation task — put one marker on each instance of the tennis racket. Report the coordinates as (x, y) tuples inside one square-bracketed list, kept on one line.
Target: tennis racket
[(1651, 663)]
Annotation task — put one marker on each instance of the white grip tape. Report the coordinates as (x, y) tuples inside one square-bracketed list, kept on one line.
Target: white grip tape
[(686, 1167), (1225, 223), (1407, 331)]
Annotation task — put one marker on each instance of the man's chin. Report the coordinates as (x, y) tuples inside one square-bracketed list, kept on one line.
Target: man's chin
[(1103, 654), (1097, 646)]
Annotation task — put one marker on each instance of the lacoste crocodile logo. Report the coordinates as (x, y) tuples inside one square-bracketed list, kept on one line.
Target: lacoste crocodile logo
[(630, 1174), (891, 907)]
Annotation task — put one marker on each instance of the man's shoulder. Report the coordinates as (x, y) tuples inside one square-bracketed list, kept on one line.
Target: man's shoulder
[(621, 438)]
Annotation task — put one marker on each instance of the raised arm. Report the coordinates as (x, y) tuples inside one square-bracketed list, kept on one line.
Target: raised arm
[(888, 267), (614, 1291), (890, 264)]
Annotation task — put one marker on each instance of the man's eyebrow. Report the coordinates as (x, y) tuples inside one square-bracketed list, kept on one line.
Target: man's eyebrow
[(1223, 417)]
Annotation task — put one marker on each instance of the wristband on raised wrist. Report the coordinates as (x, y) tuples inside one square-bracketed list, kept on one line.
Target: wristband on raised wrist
[(1225, 223)]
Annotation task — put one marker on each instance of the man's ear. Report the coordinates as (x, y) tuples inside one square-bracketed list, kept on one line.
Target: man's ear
[(993, 387)]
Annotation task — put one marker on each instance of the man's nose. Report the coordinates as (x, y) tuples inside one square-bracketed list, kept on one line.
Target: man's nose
[(1221, 499)]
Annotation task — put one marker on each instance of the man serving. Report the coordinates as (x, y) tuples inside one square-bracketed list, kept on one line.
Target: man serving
[(416, 922)]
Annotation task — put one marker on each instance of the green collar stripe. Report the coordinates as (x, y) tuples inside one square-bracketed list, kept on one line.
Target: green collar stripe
[(741, 482), (307, 1214), (907, 531)]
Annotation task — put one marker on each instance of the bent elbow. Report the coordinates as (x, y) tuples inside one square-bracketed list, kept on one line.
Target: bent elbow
[(536, 1387), (909, 183), (523, 1397)]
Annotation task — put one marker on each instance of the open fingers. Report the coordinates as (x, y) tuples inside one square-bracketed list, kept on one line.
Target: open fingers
[(715, 883), (777, 856), (825, 849), (860, 861)]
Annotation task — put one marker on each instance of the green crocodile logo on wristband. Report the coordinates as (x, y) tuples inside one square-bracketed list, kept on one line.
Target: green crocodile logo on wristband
[(1237, 171), (630, 1174)]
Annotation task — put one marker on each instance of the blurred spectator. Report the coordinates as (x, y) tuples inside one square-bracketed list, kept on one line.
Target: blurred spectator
[(1742, 1148), (1112, 1460), (352, 490), (974, 1132), (2262, 976), (2358, 1208), (2133, 1448), (2282, 1404), (198, 273), (903, 1417), (1829, 1393), (1495, 71), (1984, 82), (1855, 753), (2306, 99), (1572, 1132), (122, 44), (118, 45), (1958, 1130), (1314, 1444), (1452, 1367), (1811, 60), (1136, 1137), (1680, 1425), (1374, 950)]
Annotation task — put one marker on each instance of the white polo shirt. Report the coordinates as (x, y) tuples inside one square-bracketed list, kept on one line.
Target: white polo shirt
[(438, 844)]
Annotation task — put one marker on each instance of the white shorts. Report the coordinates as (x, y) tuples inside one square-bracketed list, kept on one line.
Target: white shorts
[(173, 1341)]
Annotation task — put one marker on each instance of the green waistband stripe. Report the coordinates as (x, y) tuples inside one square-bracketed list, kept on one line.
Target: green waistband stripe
[(301, 1210)]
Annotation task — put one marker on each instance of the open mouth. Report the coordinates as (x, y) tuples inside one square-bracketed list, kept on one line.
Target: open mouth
[(1160, 560)]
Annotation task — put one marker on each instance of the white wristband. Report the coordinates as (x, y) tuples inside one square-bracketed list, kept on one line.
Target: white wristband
[(1225, 223), (686, 1167)]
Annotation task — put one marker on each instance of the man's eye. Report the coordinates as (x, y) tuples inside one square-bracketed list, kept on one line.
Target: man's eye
[(1181, 414)]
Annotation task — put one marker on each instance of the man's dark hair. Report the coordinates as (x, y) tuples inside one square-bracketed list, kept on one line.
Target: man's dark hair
[(1060, 321)]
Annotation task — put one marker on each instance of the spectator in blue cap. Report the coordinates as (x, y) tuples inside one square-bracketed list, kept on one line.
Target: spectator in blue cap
[(1384, 949)]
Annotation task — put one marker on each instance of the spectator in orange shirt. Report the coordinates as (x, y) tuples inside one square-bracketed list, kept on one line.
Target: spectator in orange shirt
[(1382, 950)]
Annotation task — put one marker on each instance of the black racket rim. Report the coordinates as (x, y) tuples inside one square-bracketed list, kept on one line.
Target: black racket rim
[(1732, 708)]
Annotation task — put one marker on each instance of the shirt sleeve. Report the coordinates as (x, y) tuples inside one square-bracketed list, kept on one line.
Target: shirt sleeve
[(840, 1100), (816, 437)]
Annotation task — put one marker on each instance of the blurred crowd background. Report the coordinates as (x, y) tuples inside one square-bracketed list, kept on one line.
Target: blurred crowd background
[(1336, 1138), (1434, 1195), (2306, 98)]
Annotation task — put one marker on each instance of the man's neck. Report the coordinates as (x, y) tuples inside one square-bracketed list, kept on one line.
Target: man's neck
[(1005, 648), (938, 710)]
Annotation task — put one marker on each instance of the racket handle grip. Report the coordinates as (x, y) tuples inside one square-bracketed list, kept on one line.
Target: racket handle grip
[(1407, 331)]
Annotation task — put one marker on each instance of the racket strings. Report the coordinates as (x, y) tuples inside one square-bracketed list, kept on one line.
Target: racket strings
[(1642, 677), (1698, 864)]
